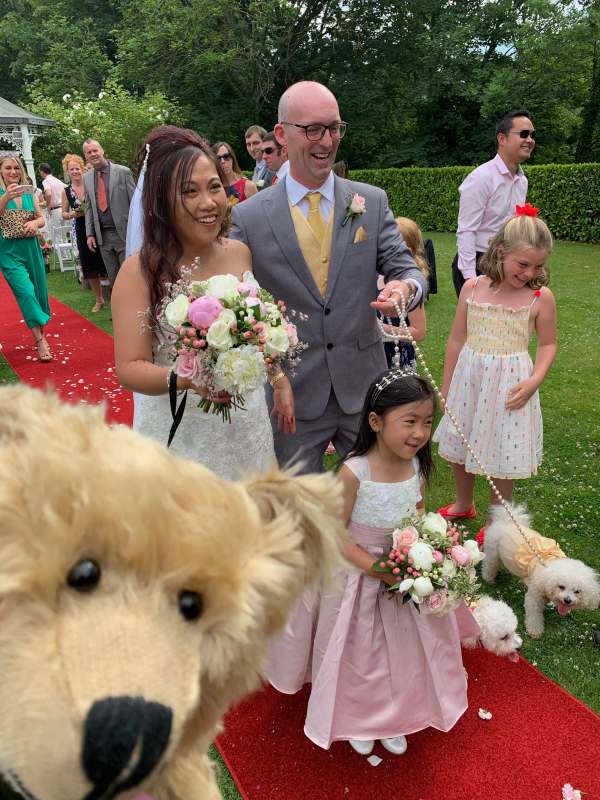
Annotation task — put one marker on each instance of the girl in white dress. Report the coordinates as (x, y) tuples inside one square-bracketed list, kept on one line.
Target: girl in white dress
[(185, 218), (490, 382)]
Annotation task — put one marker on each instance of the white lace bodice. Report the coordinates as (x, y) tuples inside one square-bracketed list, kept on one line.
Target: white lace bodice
[(230, 450), (383, 505)]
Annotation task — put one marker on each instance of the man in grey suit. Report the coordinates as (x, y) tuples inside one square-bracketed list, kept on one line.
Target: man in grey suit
[(109, 188), (304, 254)]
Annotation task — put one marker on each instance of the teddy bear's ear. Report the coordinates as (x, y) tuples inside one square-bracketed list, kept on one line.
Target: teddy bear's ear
[(302, 519)]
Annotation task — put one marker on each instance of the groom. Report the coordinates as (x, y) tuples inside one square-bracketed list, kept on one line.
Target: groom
[(304, 254)]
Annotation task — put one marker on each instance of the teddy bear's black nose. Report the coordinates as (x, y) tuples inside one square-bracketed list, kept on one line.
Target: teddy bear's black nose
[(124, 740)]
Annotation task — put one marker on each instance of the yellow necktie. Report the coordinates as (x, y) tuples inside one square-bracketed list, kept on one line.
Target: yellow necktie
[(314, 219)]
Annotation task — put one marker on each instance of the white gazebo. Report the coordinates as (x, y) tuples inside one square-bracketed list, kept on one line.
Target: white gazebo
[(19, 128)]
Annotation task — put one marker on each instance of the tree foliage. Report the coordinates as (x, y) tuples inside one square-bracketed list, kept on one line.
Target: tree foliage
[(420, 82)]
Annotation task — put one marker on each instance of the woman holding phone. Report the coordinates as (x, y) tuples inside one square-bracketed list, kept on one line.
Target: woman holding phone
[(21, 258)]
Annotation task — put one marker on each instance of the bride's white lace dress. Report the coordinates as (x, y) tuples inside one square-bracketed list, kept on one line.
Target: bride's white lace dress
[(231, 450)]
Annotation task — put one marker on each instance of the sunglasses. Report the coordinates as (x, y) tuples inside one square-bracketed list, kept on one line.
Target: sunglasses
[(224, 157), (525, 133), (268, 150)]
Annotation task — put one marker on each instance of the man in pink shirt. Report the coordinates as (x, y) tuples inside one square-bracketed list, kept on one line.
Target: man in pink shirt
[(489, 194)]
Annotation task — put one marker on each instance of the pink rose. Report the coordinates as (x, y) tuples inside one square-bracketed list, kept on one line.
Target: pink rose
[(247, 288), (436, 601), (261, 328), (438, 557), (204, 311), (186, 365), (460, 555), (292, 333), (405, 538)]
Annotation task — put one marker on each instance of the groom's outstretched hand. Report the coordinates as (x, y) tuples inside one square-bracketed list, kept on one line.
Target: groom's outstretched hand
[(283, 406), (383, 302)]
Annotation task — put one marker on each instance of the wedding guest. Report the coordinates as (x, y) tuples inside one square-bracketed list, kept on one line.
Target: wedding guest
[(109, 188), (262, 176), (275, 156), (416, 319), (73, 208), (237, 187), (53, 189), (20, 254), (489, 194)]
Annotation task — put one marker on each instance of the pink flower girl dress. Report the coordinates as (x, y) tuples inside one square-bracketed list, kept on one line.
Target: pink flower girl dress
[(381, 669)]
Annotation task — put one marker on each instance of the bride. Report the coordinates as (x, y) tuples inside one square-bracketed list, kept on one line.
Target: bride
[(185, 218)]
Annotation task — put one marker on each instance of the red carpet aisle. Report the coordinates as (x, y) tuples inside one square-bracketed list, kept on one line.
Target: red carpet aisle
[(83, 366), (538, 739)]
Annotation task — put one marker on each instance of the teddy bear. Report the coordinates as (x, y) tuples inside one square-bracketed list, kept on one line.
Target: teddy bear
[(138, 593)]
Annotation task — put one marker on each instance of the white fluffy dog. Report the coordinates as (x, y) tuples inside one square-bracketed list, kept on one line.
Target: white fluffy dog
[(498, 625), (566, 582)]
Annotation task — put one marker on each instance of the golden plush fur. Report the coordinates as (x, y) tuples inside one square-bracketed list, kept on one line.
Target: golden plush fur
[(73, 490)]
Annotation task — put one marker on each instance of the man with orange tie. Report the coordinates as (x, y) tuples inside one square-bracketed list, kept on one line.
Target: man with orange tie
[(275, 156), (109, 188)]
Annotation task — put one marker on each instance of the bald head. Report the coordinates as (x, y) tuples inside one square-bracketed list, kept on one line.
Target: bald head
[(301, 94), (302, 105)]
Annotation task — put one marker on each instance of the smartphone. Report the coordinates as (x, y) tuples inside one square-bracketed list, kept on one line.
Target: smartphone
[(26, 188)]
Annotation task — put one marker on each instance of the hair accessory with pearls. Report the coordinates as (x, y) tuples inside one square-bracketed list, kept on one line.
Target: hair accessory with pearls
[(391, 377)]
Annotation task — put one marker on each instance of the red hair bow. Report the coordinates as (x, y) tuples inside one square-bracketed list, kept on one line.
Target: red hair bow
[(527, 211)]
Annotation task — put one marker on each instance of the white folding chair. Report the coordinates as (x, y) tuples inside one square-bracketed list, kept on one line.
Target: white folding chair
[(65, 248)]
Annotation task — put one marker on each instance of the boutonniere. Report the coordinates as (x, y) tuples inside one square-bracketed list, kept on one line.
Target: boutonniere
[(356, 205), (260, 183)]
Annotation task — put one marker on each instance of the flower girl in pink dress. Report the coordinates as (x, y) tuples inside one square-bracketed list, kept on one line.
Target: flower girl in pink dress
[(381, 670)]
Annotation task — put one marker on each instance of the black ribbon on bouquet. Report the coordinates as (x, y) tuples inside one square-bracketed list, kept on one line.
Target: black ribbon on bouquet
[(176, 413)]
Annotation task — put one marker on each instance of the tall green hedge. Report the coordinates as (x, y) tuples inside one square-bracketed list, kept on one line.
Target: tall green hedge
[(567, 194)]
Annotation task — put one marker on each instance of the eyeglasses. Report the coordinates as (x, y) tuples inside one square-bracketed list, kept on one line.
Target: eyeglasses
[(224, 157), (315, 133), (268, 150), (525, 133)]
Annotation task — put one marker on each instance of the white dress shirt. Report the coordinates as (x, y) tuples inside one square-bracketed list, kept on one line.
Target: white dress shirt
[(283, 170), (488, 197)]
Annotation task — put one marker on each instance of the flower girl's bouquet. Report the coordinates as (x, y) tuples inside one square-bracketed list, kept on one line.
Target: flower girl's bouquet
[(433, 563), (226, 335)]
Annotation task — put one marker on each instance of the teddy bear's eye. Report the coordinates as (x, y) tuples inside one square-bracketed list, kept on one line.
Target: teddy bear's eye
[(561, 587), (190, 605), (84, 576)]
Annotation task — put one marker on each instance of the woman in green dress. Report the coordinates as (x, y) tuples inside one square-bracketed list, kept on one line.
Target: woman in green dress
[(21, 258)]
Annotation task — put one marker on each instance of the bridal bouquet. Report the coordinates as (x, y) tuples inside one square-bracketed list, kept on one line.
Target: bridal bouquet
[(226, 335), (433, 562)]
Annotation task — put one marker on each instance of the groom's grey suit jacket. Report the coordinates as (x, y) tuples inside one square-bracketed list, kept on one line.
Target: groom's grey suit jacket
[(344, 345)]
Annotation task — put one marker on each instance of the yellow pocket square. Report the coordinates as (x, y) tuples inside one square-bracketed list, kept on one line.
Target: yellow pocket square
[(360, 235)]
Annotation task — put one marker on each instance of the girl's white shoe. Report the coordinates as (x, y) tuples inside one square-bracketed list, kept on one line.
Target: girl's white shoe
[(363, 748), (397, 745)]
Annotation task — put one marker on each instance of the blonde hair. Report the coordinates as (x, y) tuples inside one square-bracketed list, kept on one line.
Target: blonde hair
[(518, 233), (72, 157), (23, 178), (411, 233)]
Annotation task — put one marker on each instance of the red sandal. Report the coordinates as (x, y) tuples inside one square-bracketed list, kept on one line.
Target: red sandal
[(470, 513)]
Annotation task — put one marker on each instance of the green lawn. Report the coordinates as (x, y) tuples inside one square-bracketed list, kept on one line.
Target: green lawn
[(563, 497)]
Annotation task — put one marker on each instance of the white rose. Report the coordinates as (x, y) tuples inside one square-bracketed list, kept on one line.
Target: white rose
[(227, 316), (260, 183), (218, 336), (277, 343), (357, 204), (472, 548), (406, 584), (422, 555), (176, 311), (422, 587), (434, 524), (66, 97), (223, 287), (448, 568)]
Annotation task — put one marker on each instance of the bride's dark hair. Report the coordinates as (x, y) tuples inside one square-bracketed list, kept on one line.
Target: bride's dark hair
[(173, 153)]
